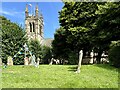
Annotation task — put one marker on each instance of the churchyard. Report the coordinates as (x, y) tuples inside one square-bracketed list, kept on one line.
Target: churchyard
[(60, 76), (85, 51)]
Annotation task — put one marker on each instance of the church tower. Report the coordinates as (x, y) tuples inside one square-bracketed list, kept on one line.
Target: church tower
[(34, 24)]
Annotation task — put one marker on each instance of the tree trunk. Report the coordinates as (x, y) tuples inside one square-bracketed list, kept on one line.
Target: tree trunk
[(99, 57), (80, 60), (91, 57)]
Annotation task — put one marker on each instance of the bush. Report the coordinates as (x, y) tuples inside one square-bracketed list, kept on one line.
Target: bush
[(114, 56)]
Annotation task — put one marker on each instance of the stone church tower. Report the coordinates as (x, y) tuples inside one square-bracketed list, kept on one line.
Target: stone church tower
[(34, 24)]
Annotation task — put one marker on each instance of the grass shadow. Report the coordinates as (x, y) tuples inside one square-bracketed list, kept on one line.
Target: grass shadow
[(105, 66), (72, 69)]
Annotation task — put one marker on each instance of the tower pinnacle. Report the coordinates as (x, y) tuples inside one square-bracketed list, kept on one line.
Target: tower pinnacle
[(26, 11), (36, 11)]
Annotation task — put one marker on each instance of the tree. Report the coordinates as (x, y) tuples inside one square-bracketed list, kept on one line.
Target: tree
[(85, 23), (47, 54), (13, 38), (77, 19), (107, 26), (60, 46), (89, 25), (35, 48)]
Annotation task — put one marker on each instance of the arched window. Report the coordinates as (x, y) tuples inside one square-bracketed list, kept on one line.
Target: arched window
[(30, 27), (33, 27)]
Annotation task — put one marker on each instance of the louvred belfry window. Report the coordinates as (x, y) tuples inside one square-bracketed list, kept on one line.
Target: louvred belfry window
[(30, 27), (33, 27)]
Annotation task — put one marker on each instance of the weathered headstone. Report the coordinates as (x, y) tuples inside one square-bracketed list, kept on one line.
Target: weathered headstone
[(0, 62), (33, 60), (38, 60), (57, 61), (80, 60), (9, 61), (26, 59), (52, 59), (30, 60)]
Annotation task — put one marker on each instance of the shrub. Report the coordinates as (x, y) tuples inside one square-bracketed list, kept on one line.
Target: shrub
[(114, 56)]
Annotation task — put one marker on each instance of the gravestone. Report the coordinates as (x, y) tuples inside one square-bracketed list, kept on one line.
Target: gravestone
[(26, 59), (38, 60), (91, 57), (37, 64), (52, 59), (80, 60), (0, 62), (30, 60), (33, 60), (9, 61)]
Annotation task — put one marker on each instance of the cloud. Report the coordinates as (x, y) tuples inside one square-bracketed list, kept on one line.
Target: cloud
[(12, 13), (6, 13)]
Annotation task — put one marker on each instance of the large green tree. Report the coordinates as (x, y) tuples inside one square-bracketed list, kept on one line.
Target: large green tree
[(13, 38), (107, 27), (89, 25), (76, 22)]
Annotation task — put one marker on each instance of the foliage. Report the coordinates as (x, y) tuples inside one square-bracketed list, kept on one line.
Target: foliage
[(114, 54), (87, 26), (60, 46), (73, 58), (13, 38), (107, 27), (35, 48), (46, 54), (60, 76), (115, 43)]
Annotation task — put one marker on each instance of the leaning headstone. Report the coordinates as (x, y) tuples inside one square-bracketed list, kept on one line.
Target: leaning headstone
[(26, 59), (9, 61), (0, 62), (80, 60), (51, 61)]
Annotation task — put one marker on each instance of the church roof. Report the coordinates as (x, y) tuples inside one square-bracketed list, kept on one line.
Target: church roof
[(47, 42)]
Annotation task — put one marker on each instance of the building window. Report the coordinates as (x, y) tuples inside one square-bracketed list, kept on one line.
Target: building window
[(33, 27), (30, 27)]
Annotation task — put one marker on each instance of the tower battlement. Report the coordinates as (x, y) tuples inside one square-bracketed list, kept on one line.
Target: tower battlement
[(34, 24)]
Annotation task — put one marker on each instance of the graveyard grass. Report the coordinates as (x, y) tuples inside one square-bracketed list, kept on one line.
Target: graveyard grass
[(60, 76)]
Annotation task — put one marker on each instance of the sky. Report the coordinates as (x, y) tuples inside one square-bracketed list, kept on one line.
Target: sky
[(15, 12)]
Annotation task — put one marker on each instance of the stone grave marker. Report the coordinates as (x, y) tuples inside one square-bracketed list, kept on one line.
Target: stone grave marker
[(0, 62), (26, 59), (38, 60), (9, 61)]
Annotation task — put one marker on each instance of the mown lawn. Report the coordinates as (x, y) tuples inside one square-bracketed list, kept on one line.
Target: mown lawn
[(60, 76)]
